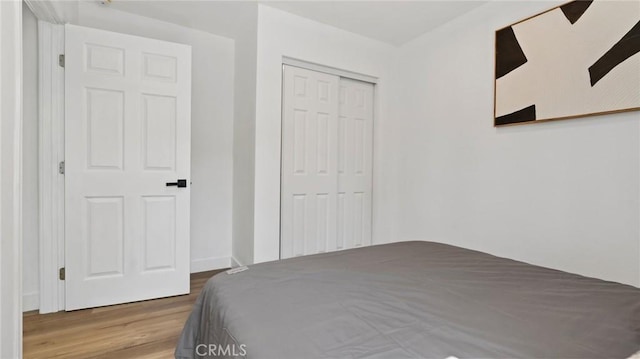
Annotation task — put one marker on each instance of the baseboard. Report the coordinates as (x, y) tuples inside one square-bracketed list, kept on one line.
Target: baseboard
[(30, 301), (235, 263), (207, 264)]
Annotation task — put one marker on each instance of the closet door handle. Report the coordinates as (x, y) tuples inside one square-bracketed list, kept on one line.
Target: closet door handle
[(180, 184)]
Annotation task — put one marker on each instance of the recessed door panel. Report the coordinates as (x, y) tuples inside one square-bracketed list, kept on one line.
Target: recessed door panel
[(159, 119), (359, 149), (322, 142), (159, 215), (342, 220), (104, 59), (159, 68), (299, 224), (104, 236), (299, 152), (105, 128), (323, 212)]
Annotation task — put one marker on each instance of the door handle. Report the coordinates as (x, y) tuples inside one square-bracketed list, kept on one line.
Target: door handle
[(180, 184)]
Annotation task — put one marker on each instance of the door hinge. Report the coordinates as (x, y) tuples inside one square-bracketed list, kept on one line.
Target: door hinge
[(61, 60), (61, 273), (61, 167)]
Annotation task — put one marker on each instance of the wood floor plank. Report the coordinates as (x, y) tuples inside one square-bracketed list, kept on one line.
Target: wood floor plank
[(141, 330)]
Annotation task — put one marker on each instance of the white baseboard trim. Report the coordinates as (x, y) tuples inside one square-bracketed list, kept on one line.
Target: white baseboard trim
[(207, 264), (30, 301), (235, 262)]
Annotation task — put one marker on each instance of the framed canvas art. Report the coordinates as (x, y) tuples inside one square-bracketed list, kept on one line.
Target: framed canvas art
[(578, 59)]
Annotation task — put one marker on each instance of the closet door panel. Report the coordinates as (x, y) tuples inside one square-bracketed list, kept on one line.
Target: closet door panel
[(309, 162)]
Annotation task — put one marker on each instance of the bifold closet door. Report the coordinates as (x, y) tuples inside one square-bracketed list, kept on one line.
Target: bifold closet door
[(327, 131)]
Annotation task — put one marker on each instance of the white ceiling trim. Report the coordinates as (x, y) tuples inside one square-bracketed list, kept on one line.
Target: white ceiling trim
[(45, 11)]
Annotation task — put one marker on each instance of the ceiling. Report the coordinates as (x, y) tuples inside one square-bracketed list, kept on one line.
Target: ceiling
[(226, 18), (393, 22)]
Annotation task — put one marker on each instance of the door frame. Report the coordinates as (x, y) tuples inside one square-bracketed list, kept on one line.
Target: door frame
[(290, 61), (308, 65), (51, 141), (11, 179), (51, 18), (50, 15), (51, 181)]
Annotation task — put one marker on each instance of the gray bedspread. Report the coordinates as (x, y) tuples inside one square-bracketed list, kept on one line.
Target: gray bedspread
[(411, 300)]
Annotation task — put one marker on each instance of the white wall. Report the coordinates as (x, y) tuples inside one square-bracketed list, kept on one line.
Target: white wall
[(30, 222), (244, 136), (559, 194), (283, 34), (212, 125)]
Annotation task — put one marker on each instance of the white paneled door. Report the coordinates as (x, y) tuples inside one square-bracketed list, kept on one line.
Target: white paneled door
[(327, 132), (309, 162), (127, 159), (355, 162)]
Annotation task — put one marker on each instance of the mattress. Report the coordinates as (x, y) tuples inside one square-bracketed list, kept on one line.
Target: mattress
[(410, 300)]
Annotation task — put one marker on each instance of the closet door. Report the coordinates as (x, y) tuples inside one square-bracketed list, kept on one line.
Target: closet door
[(355, 162), (327, 150), (309, 162)]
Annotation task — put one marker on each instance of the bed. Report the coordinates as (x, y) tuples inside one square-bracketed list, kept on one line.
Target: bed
[(410, 300)]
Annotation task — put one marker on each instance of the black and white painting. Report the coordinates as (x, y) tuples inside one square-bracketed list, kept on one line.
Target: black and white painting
[(581, 58)]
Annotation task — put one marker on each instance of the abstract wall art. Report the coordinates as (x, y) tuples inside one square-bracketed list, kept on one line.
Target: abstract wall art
[(578, 59)]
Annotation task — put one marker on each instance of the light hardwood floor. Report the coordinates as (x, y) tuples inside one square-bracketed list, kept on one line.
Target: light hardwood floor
[(141, 330)]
